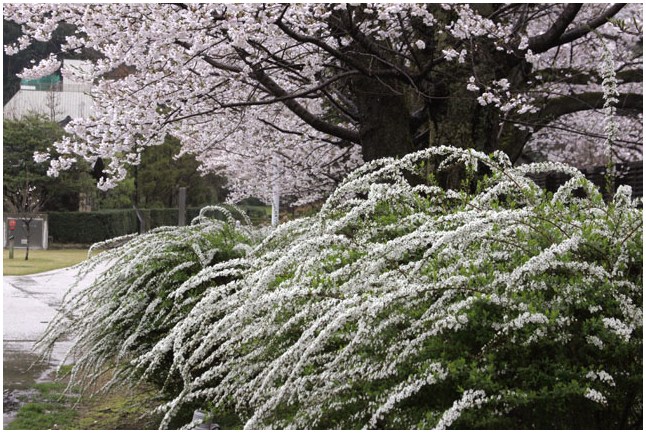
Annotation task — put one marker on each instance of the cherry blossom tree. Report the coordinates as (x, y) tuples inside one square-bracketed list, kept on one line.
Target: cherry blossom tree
[(316, 89)]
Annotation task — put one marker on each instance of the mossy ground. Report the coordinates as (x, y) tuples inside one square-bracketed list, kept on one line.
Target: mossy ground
[(121, 409), (51, 407)]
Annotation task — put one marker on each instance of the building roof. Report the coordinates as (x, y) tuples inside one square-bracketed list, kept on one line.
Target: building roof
[(54, 105), (48, 96)]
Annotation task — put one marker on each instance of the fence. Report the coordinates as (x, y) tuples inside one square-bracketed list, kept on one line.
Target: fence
[(14, 225)]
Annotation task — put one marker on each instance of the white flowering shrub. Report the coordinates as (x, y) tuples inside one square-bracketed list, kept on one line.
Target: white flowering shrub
[(399, 305), (141, 294)]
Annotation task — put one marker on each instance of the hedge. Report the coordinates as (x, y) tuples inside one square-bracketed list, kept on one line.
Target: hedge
[(98, 226), (91, 227)]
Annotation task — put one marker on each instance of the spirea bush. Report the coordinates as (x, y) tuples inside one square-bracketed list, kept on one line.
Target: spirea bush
[(400, 305), (140, 293)]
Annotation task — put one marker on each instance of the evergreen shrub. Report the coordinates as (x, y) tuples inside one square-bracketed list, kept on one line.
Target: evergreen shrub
[(401, 304), (99, 226)]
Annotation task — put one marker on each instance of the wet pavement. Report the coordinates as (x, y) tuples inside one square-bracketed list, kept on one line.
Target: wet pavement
[(29, 304)]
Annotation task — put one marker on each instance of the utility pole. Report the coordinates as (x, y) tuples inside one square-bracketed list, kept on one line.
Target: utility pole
[(181, 203), (275, 193)]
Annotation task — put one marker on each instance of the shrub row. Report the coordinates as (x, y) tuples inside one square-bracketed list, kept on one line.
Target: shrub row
[(98, 226), (399, 305)]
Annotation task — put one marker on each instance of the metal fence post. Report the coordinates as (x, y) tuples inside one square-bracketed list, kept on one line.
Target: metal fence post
[(181, 203)]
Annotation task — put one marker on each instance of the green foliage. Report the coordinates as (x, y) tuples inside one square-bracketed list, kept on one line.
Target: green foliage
[(161, 174), (154, 183), (119, 197), (43, 416), (21, 138), (50, 410), (53, 407), (90, 227)]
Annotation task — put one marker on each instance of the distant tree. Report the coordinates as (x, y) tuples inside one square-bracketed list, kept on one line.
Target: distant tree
[(162, 171), (24, 201), (120, 197), (155, 182), (20, 139)]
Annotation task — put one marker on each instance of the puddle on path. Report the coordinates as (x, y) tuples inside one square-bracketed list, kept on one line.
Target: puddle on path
[(29, 304), (21, 370)]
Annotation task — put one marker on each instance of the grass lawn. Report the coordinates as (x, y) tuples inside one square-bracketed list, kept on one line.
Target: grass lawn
[(40, 260)]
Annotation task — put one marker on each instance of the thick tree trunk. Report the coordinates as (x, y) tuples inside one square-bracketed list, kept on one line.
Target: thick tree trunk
[(454, 115), (384, 124), (463, 123)]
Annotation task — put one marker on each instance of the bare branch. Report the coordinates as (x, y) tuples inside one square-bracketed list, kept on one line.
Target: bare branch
[(551, 37), (573, 76), (309, 118), (591, 25), (319, 43), (558, 107), (558, 36), (301, 94), (211, 61)]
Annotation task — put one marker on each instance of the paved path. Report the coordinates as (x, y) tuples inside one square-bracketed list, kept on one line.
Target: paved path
[(29, 304)]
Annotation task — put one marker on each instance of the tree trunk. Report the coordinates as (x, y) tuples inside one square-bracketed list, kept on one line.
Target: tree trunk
[(454, 115), (384, 124), (28, 235)]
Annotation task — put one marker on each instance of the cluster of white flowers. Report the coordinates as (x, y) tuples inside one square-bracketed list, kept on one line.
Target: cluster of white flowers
[(471, 24), (377, 292), (451, 54), (470, 398), (610, 97), (618, 327), (596, 396), (602, 376), (499, 95), (45, 67)]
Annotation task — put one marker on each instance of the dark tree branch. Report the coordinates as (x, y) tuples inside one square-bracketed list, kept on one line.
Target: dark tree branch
[(561, 106), (591, 25), (211, 61), (418, 118), (314, 121), (559, 127), (301, 94), (557, 35), (338, 143), (282, 96), (278, 61), (550, 38), (319, 43), (574, 76), (349, 111)]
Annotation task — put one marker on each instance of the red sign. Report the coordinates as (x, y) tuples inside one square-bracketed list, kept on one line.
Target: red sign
[(12, 224)]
